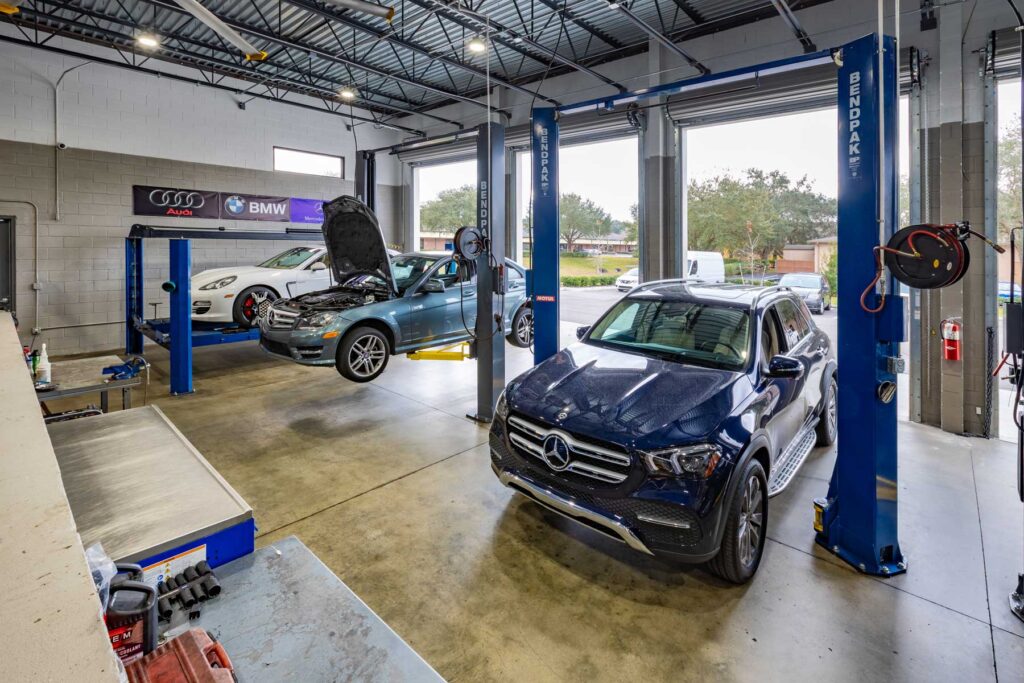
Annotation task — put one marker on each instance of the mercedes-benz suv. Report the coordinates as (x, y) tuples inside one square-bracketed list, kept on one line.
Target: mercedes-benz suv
[(673, 419)]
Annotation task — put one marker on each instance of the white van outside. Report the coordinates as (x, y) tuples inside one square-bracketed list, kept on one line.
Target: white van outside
[(707, 266)]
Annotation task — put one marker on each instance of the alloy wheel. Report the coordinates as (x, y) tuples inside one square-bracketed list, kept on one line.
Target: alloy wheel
[(524, 329), (256, 305), (832, 410), (751, 524), (367, 355)]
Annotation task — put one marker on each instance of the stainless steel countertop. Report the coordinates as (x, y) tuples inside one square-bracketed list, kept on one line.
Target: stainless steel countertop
[(85, 375), (138, 486)]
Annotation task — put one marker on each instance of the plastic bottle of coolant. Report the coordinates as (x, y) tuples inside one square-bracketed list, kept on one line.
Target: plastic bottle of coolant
[(43, 371)]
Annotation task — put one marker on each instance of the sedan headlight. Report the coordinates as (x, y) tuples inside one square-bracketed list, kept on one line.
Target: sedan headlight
[(501, 409), (316, 321), (687, 461)]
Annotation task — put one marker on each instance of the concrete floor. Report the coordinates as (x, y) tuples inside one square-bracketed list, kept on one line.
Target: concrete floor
[(391, 486)]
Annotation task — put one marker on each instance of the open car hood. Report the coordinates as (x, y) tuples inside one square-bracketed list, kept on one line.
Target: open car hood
[(354, 241)]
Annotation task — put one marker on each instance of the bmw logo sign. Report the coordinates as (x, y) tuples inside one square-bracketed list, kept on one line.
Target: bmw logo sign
[(235, 205), (556, 452)]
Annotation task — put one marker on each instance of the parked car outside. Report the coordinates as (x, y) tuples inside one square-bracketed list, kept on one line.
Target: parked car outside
[(383, 305), (241, 294), (812, 288), (673, 419), (628, 280), (1004, 292)]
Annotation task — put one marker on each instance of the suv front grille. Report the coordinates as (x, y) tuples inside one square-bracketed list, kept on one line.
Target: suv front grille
[(585, 459), (282, 318)]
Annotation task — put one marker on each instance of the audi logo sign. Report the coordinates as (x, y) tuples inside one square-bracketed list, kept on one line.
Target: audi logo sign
[(177, 199), (170, 201), (183, 203)]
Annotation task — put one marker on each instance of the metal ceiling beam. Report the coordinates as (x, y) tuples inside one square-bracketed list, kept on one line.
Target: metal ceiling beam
[(782, 6), (237, 71), (692, 14), (562, 7), (664, 40), (481, 23), (391, 36), (323, 54), (192, 81)]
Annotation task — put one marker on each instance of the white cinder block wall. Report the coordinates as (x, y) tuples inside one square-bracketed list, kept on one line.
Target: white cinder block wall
[(121, 129)]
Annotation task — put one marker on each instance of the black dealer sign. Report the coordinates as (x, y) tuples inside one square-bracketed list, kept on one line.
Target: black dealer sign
[(169, 201)]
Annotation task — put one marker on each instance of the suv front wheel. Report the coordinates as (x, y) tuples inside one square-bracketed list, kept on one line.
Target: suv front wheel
[(745, 528)]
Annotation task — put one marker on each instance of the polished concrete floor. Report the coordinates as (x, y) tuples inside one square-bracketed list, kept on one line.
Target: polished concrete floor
[(391, 486)]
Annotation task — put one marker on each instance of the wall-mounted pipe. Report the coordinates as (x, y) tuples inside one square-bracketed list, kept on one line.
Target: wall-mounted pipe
[(387, 13), (58, 146), (196, 9)]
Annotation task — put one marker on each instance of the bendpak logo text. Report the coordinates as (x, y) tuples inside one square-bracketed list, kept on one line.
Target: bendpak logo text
[(853, 156)]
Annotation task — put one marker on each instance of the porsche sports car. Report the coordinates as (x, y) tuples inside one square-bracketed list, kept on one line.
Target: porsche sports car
[(383, 305), (241, 294)]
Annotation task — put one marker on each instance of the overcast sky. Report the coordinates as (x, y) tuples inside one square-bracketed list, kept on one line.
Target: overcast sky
[(798, 144)]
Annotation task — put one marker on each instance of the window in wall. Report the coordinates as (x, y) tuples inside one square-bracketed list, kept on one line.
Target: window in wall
[(311, 163)]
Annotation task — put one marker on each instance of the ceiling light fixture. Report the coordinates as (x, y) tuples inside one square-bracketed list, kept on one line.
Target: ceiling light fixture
[(147, 40), (477, 45), (347, 94), (613, 5)]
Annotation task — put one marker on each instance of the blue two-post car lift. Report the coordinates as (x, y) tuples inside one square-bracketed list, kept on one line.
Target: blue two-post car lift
[(857, 520), (178, 333)]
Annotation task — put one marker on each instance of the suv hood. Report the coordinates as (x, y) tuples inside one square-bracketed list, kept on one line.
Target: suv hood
[(633, 400), (354, 241)]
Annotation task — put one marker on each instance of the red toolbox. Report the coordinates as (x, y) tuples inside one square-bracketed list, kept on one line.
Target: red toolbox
[(192, 657)]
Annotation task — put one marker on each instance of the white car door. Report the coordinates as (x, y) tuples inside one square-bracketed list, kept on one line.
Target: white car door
[(310, 277)]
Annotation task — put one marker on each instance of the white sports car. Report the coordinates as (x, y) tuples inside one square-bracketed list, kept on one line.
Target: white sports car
[(242, 294)]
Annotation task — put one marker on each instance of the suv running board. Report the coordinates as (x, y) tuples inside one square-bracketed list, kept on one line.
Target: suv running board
[(789, 462)]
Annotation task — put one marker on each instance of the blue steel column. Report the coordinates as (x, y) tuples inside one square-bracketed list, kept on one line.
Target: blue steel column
[(490, 217), (859, 518), (181, 317), (544, 259), (133, 291)]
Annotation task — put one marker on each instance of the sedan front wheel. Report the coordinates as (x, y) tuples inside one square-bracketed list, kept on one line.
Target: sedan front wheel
[(362, 355), (521, 334)]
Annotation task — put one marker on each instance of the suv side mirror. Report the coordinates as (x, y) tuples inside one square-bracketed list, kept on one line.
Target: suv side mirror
[(319, 265), (433, 286), (581, 331), (784, 367)]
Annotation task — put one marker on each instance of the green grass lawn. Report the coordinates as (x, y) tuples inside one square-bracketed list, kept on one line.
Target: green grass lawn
[(592, 265)]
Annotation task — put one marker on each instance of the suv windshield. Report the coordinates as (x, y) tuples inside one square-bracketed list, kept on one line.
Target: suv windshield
[(289, 259), (805, 281), (701, 334)]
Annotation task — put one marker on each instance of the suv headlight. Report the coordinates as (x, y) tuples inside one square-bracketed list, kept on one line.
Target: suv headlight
[(688, 461), (501, 409), (218, 284), (316, 321)]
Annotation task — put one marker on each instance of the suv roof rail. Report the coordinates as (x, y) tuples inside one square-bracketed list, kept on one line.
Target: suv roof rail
[(770, 290)]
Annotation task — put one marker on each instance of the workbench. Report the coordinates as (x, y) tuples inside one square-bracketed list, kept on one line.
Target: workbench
[(85, 376), (284, 616), (136, 485)]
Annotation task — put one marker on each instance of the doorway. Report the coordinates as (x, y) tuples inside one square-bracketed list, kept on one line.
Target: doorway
[(7, 263)]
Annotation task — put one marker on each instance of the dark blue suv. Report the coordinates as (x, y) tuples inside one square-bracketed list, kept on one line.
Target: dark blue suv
[(674, 419)]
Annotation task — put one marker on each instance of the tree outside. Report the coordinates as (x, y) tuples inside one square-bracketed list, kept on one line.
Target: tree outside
[(580, 218), (450, 211), (1009, 201)]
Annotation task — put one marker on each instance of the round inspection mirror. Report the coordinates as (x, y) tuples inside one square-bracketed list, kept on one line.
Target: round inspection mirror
[(886, 391), (928, 257)]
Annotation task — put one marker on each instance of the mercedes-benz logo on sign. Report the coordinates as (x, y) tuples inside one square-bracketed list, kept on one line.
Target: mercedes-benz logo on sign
[(177, 199), (234, 204), (556, 452)]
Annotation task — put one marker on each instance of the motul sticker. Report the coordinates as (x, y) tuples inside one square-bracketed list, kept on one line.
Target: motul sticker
[(547, 298)]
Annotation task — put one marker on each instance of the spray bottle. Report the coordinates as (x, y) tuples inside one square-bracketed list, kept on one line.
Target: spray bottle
[(43, 371)]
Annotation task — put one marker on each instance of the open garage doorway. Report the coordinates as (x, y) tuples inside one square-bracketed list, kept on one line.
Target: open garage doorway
[(599, 186), (445, 201), (1008, 216), (763, 193)]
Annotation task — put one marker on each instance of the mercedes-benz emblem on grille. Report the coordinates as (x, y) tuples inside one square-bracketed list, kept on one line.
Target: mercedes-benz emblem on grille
[(177, 199), (556, 452), (562, 415)]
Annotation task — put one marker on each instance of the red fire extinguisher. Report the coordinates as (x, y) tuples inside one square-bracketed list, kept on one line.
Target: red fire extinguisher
[(949, 330)]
